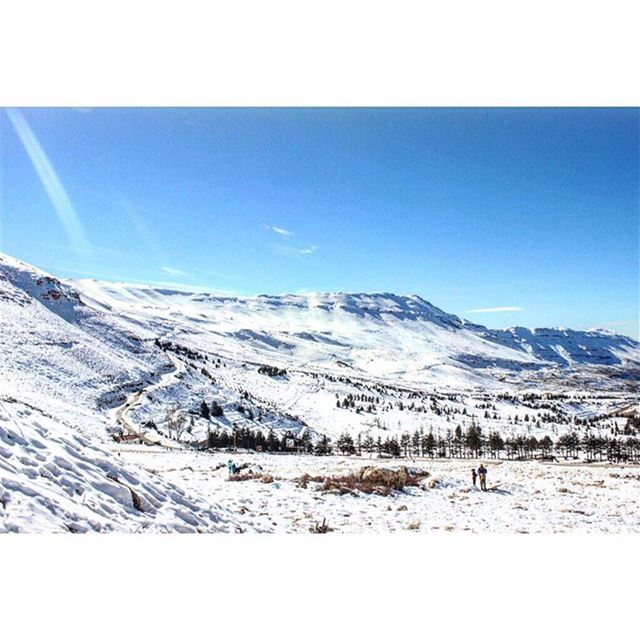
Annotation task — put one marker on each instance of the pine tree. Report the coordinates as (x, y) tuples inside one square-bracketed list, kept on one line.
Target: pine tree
[(368, 443), (496, 443), (272, 442), (473, 441), (345, 444), (216, 410), (546, 444), (428, 444), (392, 447), (204, 410), (322, 447), (405, 440), (415, 443)]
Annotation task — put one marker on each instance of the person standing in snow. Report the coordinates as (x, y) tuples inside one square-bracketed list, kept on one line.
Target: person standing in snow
[(482, 472), (474, 476), (232, 468)]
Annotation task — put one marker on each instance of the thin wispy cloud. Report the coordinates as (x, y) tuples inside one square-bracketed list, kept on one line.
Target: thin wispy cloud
[(295, 252), (495, 310), (281, 231), (87, 273), (174, 272), (50, 181), (106, 276)]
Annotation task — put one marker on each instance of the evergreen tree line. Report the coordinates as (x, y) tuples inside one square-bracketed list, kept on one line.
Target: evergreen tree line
[(371, 404), (471, 443), (256, 440)]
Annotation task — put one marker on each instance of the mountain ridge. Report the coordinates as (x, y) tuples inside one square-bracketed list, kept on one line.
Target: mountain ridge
[(377, 332), (349, 294)]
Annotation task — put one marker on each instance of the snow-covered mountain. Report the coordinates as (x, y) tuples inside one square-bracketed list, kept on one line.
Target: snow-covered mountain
[(72, 353), (58, 360), (85, 339), (380, 334)]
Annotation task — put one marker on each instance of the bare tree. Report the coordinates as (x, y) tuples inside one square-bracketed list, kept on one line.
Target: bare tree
[(177, 422)]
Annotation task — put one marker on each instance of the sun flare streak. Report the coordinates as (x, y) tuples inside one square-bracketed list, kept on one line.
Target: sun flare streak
[(50, 181)]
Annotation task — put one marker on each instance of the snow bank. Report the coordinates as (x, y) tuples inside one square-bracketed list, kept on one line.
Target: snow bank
[(54, 480)]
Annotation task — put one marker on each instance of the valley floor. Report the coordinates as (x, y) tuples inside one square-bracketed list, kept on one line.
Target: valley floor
[(523, 497)]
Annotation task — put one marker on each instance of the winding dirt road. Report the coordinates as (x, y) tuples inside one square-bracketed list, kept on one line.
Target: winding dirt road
[(122, 415)]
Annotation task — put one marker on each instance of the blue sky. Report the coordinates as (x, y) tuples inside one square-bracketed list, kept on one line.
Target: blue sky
[(532, 214)]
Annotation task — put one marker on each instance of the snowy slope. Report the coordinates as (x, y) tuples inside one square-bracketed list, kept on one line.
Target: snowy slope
[(567, 347), (55, 346), (402, 337), (58, 359), (54, 480), (386, 346)]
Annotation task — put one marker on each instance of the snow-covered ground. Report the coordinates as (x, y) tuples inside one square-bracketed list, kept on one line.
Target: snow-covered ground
[(82, 361), (58, 361), (52, 479), (523, 497)]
